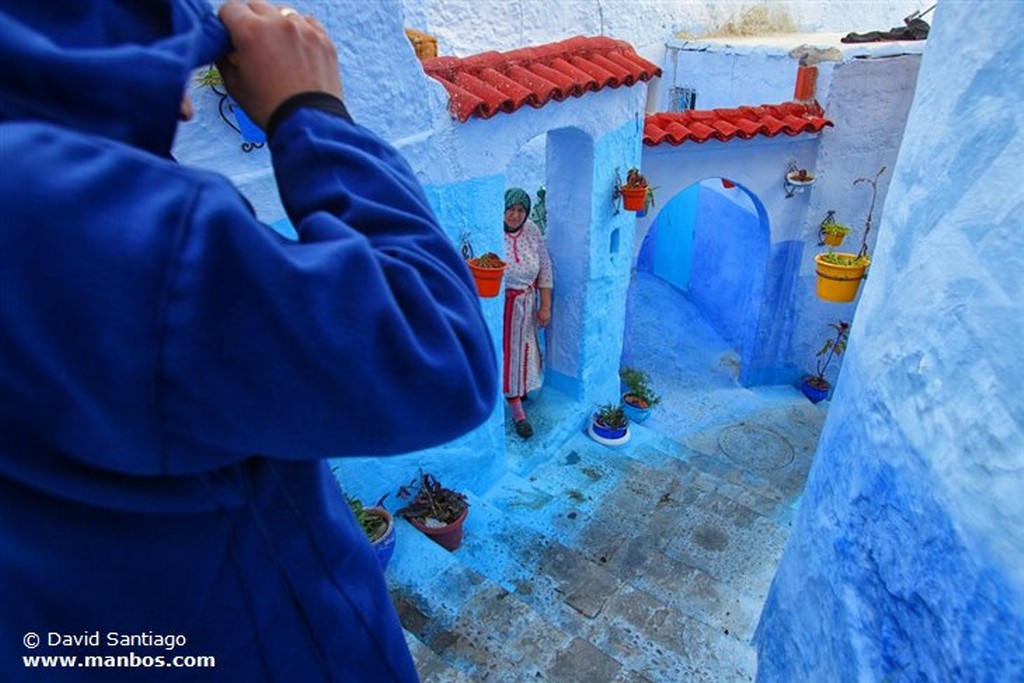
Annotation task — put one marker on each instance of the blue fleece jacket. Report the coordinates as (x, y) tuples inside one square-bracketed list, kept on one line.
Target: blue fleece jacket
[(173, 372)]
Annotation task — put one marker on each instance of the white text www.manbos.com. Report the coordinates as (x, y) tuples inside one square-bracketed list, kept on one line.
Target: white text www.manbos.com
[(128, 661)]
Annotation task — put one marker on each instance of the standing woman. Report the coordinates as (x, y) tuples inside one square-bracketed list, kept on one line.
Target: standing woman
[(528, 279)]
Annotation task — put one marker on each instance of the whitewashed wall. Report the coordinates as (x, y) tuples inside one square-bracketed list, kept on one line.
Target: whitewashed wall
[(465, 27)]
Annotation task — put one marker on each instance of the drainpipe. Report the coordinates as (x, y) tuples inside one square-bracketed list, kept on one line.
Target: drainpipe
[(806, 80)]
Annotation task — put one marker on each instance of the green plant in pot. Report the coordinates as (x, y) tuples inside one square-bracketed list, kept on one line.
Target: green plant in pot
[(816, 387), (635, 191), (610, 425), (639, 398), (831, 231), (839, 273), (253, 136), (435, 510), (378, 525)]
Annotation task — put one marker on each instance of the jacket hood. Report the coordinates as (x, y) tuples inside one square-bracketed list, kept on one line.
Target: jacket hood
[(114, 68)]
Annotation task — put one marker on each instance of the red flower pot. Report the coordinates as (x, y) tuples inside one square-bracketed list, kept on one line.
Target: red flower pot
[(448, 537), (488, 280), (633, 198)]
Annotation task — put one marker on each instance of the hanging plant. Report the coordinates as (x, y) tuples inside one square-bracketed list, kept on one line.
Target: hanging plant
[(253, 136), (839, 273), (488, 271), (831, 232), (634, 192)]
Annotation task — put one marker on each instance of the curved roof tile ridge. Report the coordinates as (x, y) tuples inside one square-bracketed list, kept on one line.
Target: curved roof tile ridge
[(791, 118), (484, 84)]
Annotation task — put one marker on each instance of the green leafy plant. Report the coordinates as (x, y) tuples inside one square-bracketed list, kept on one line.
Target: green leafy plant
[(833, 347), (488, 260), (612, 415), (841, 259), (429, 500), (209, 78), (836, 229), (373, 525), (638, 388), (634, 179), (649, 198)]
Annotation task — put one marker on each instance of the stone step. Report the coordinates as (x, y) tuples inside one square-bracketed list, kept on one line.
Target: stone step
[(605, 508), (460, 625), (565, 619), (648, 561)]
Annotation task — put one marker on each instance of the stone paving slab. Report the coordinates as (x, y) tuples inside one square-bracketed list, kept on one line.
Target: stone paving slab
[(430, 667), (652, 638)]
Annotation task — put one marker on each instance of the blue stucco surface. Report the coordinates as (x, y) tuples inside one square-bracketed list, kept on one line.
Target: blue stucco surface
[(905, 561)]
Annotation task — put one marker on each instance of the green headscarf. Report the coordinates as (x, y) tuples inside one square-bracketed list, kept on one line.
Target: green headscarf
[(517, 195)]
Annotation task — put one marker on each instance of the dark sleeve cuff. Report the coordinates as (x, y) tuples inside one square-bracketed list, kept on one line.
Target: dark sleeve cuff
[(314, 100)]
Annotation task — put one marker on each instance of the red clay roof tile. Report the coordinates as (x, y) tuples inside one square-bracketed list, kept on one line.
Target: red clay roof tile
[(791, 118), (489, 82)]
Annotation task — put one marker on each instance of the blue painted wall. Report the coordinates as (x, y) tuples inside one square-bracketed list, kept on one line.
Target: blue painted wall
[(730, 253), (906, 561), (668, 248)]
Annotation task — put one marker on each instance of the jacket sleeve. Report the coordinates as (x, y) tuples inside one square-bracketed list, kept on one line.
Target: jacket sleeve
[(363, 337)]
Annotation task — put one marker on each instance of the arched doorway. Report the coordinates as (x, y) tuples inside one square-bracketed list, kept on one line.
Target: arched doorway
[(711, 243), (561, 162)]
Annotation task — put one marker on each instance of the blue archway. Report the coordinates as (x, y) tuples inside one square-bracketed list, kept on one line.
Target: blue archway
[(711, 241)]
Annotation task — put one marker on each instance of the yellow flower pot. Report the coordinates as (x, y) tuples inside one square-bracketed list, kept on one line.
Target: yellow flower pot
[(833, 240), (839, 283)]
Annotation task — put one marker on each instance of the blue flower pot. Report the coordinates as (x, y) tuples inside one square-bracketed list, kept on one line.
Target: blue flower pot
[(815, 394), (385, 545), (635, 414), (606, 432), (250, 131)]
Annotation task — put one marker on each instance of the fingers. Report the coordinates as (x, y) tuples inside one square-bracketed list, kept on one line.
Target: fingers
[(278, 52)]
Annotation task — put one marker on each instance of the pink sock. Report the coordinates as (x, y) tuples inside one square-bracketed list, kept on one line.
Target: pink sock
[(518, 414)]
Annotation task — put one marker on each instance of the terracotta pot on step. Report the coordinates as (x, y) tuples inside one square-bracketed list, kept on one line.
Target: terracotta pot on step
[(449, 536)]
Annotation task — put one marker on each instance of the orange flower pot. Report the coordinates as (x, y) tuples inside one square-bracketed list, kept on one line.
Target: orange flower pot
[(488, 280), (833, 240), (633, 198)]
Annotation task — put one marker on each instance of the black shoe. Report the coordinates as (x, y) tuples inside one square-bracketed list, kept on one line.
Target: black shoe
[(524, 429)]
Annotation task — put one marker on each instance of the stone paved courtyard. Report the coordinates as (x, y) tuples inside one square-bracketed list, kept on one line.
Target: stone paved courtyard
[(645, 562)]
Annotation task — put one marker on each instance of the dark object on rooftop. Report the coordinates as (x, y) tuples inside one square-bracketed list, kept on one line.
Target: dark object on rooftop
[(916, 29)]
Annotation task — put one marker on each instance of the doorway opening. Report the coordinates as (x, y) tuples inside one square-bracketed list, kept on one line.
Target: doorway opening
[(711, 243)]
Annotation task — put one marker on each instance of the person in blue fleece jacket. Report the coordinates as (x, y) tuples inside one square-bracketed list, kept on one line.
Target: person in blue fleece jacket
[(173, 373)]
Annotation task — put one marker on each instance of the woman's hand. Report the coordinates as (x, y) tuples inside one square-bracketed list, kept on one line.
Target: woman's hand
[(544, 312), (543, 316), (277, 53)]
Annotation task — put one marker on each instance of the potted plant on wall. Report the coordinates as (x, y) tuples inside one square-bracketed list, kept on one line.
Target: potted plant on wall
[(609, 425), (252, 135), (832, 232), (487, 273), (839, 273), (639, 398), (634, 192), (378, 525), (797, 179), (648, 202), (436, 511), (816, 387)]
